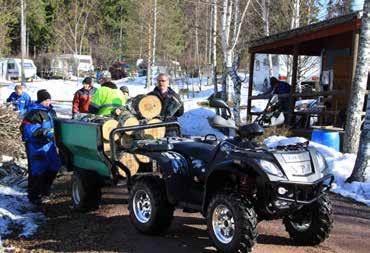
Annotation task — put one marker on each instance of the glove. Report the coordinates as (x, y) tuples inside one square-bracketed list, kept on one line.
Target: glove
[(49, 134)]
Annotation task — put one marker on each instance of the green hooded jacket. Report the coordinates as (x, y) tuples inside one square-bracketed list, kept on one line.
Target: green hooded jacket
[(106, 99)]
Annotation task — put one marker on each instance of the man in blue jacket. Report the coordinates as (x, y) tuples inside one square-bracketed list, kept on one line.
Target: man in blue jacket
[(20, 99), (43, 160), (279, 87)]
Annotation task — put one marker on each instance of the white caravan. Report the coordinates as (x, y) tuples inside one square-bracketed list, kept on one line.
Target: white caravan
[(66, 65), (310, 69), (10, 69)]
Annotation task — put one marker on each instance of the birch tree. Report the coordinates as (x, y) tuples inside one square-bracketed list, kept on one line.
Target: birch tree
[(214, 44), (230, 26), (353, 122), (266, 28), (71, 24)]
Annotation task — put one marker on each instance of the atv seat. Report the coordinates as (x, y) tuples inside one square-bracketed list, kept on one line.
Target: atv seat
[(197, 150), (250, 130)]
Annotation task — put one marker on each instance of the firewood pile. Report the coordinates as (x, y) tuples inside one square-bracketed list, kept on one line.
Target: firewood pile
[(13, 173), (10, 137), (142, 110)]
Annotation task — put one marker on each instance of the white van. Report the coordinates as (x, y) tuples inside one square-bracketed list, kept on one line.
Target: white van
[(11, 67), (280, 71)]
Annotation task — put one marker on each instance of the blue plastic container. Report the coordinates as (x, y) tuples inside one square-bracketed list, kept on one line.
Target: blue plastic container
[(327, 138)]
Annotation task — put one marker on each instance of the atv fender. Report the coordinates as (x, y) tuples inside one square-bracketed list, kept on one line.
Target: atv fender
[(220, 176), (174, 168)]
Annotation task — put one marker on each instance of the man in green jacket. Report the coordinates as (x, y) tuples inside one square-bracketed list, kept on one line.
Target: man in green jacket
[(106, 99)]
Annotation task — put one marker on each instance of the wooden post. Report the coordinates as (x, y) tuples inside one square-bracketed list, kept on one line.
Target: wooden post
[(294, 85), (250, 86)]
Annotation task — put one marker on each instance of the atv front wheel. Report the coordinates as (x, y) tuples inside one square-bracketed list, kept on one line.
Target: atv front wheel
[(312, 224), (85, 193), (231, 222), (150, 211)]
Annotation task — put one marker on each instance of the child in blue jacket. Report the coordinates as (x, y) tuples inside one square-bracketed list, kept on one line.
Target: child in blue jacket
[(43, 160)]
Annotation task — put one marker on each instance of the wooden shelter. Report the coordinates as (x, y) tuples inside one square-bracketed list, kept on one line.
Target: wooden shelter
[(336, 42)]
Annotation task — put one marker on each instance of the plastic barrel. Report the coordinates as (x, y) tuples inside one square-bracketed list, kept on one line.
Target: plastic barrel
[(327, 138)]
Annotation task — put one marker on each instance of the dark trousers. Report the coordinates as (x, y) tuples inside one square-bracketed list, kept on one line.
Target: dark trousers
[(39, 186)]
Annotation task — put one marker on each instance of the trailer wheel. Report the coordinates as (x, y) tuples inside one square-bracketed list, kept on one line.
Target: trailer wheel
[(312, 224), (231, 222), (150, 211), (85, 193)]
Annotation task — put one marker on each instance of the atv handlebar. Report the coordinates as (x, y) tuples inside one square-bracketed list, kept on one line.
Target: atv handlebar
[(117, 130)]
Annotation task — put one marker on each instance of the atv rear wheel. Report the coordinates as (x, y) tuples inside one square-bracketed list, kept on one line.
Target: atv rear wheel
[(150, 211), (231, 222), (312, 224), (85, 193)]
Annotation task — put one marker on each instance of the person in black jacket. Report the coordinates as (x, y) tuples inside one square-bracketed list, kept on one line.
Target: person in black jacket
[(172, 106)]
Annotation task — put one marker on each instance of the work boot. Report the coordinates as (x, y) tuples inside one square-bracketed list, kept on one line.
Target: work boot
[(36, 201), (34, 188), (48, 179)]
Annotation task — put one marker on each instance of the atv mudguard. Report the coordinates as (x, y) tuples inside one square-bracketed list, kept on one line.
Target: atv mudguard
[(175, 171), (232, 168)]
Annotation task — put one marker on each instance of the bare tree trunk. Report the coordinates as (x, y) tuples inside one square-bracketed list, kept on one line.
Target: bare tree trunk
[(23, 41), (358, 173), (121, 35), (154, 31), (149, 55), (266, 29), (214, 44), (197, 36), (353, 122)]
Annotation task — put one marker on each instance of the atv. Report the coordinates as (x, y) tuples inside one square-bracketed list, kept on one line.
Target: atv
[(234, 183)]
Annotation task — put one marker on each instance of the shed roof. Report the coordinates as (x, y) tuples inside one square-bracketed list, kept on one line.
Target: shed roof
[(311, 39)]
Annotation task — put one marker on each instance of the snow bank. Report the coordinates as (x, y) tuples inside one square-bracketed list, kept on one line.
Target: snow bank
[(340, 165), (16, 210)]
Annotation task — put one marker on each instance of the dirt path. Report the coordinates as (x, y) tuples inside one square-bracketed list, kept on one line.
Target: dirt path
[(109, 230)]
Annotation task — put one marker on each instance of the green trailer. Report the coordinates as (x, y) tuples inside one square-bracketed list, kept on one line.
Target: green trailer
[(81, 148)]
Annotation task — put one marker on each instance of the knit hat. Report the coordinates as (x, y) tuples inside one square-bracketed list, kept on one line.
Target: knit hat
[(87, 80), (124, 89), (42, 95), (109, 85)]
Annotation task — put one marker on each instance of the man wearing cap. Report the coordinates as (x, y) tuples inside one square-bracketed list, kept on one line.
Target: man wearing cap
[(125, 92), (82, 97), (37, 130), (20, 99)]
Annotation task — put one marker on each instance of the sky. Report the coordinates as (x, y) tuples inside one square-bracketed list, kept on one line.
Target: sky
[(357, 6)]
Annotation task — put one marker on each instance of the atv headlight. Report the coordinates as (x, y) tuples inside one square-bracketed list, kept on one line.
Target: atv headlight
[(321, 162), (270, 168)]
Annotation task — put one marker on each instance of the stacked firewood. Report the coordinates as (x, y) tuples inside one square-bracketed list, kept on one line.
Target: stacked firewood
[(10, 136), (13, 174), (141, 110)]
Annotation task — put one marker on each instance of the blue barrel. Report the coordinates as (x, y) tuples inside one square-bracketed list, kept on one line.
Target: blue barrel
[(327, 138)]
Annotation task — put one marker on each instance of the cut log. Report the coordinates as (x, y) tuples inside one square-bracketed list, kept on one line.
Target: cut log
[(107, 127), (142, 158), (147, 106), (106, 146), (155, 133), (126, 120), (127, 141), (129, 160)]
